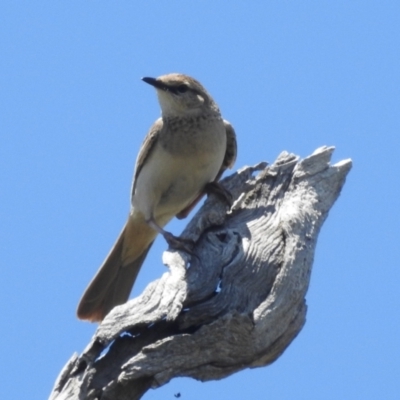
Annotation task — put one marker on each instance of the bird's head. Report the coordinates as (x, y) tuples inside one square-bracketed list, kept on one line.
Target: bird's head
[(180, 94)]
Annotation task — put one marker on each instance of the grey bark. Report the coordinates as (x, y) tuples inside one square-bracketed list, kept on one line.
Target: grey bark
[(237, 303)]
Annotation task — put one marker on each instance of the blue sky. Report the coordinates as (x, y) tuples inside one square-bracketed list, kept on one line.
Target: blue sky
[(289, 76)]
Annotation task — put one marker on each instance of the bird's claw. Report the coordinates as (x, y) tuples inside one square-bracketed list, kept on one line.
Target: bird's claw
[(217, 189), (179, 243)]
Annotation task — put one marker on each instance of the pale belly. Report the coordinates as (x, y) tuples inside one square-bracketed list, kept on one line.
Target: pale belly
[(167, 184)]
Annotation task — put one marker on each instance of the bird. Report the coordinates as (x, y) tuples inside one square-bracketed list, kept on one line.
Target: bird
[(182, 157)]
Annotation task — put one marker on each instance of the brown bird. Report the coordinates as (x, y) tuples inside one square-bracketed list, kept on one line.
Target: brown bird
[(185, 152)]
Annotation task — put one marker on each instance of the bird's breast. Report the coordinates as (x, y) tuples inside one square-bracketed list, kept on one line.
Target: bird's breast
[(183, 161), (203, 134)]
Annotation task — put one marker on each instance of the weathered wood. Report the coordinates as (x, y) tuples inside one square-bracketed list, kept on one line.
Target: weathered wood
[(237, 303)]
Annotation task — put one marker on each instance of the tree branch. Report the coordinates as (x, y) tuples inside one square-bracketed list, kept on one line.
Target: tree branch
[(237, 303)]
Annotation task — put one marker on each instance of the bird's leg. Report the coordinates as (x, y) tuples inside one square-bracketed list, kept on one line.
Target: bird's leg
[(173, 241)]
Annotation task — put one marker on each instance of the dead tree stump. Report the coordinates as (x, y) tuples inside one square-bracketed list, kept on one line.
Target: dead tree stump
[(236, 303)]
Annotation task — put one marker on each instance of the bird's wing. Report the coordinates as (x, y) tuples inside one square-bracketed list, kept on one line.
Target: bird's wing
[(146, 148), (231, 146)]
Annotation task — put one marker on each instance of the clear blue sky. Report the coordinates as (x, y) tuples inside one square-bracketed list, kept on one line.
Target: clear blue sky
[(289, 75)]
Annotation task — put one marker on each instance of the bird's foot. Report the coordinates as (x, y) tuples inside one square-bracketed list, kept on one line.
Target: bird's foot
[(179, 243), (217, 189)]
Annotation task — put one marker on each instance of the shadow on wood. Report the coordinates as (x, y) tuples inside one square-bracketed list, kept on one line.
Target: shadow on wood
[(237, 303)]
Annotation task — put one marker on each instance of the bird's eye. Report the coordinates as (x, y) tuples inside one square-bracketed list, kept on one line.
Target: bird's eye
[(182, 88)]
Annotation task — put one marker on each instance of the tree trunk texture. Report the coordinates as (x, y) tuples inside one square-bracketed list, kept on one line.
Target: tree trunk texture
[(237, 302)]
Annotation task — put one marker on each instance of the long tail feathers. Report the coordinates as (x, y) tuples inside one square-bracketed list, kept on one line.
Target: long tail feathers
[(112, 283)]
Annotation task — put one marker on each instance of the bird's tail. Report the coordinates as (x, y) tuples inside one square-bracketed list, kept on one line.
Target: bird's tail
[(112, 283)]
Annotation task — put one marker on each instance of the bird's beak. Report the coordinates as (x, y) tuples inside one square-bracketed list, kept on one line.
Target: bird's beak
[(154, 82)]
